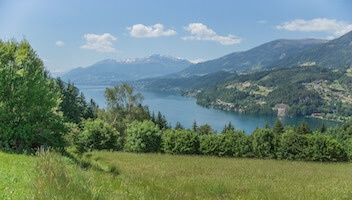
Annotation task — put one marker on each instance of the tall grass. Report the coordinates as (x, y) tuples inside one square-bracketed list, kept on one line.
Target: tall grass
[(157, 176), (59, 178), (50, 175)]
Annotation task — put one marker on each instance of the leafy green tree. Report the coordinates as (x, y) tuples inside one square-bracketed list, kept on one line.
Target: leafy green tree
[(234, 143), (325, 148), (293, 146), (303, 128), (205, 130), (99, 135), (29, 114), (209, 145), (263, 143), (180, 142), (143, 137), (123, 107)]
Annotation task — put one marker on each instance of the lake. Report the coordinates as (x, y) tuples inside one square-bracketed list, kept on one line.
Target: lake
[(181, 109)]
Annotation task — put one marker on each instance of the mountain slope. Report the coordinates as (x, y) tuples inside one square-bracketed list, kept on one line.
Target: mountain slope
[(112, 71), (296, 91), (336, 53), (253, 59)]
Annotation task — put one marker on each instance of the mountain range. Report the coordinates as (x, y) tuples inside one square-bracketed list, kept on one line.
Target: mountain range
[(113, 71), (281, 53), (254, 59)]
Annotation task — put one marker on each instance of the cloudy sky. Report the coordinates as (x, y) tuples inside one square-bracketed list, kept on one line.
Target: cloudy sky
[(77, 33)]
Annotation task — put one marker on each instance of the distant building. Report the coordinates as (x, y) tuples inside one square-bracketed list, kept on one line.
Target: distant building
[(281, 109)]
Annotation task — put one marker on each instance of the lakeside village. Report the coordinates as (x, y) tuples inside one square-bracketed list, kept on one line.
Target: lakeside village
[(329, 92)]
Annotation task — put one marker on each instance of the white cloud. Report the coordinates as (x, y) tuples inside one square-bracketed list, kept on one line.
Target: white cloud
[(101, 43), (59, 43), (156, 30), (200, 31), (262, 21), (331, 26)]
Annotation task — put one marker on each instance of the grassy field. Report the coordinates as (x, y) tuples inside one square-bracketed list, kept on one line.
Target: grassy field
[(16, 175), (157, 176)]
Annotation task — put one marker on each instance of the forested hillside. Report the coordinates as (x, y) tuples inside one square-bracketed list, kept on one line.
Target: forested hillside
[(297, 91)]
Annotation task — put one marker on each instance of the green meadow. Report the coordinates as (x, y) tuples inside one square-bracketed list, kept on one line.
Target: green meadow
[(118, 175)]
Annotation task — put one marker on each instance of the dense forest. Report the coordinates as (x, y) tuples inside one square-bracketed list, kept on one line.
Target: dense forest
[(38, 111)]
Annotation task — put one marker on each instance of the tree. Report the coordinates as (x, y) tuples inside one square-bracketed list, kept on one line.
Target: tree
[(263, 143), (323, 128), (194, 126), (209, 145), (278, 127), (205, 130), (29, 114), (97, 134), (143, 137), (123, 107), (304, 128), (179, 126), (293, 146), (161, 121), (234, 143), (228, 127), (180, 142)]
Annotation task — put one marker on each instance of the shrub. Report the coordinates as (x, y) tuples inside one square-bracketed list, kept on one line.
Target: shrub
[(293, 146), (325, 148), (209, 144), (234, 143), (97, 134), (143, 137), (264, 143), (180, 142)]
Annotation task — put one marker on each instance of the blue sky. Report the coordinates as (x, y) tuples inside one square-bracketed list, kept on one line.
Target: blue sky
[(76, 33)]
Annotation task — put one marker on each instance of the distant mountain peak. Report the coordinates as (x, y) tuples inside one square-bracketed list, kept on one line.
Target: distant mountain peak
[(111, 70)]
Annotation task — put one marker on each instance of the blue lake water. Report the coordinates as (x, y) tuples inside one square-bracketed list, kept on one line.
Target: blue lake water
[(185, 110)]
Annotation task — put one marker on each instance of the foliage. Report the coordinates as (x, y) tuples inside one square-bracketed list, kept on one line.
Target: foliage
[(209, 144), (205, 130), (73, 103), (263, 143), (325, 148), (29, 116), (278, 127), (161, 121), (180, 142), (143, 137), (99, 135), (235, 143), (293, 146), (123, 107)]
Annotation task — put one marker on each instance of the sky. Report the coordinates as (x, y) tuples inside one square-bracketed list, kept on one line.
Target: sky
[(78, 33)]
